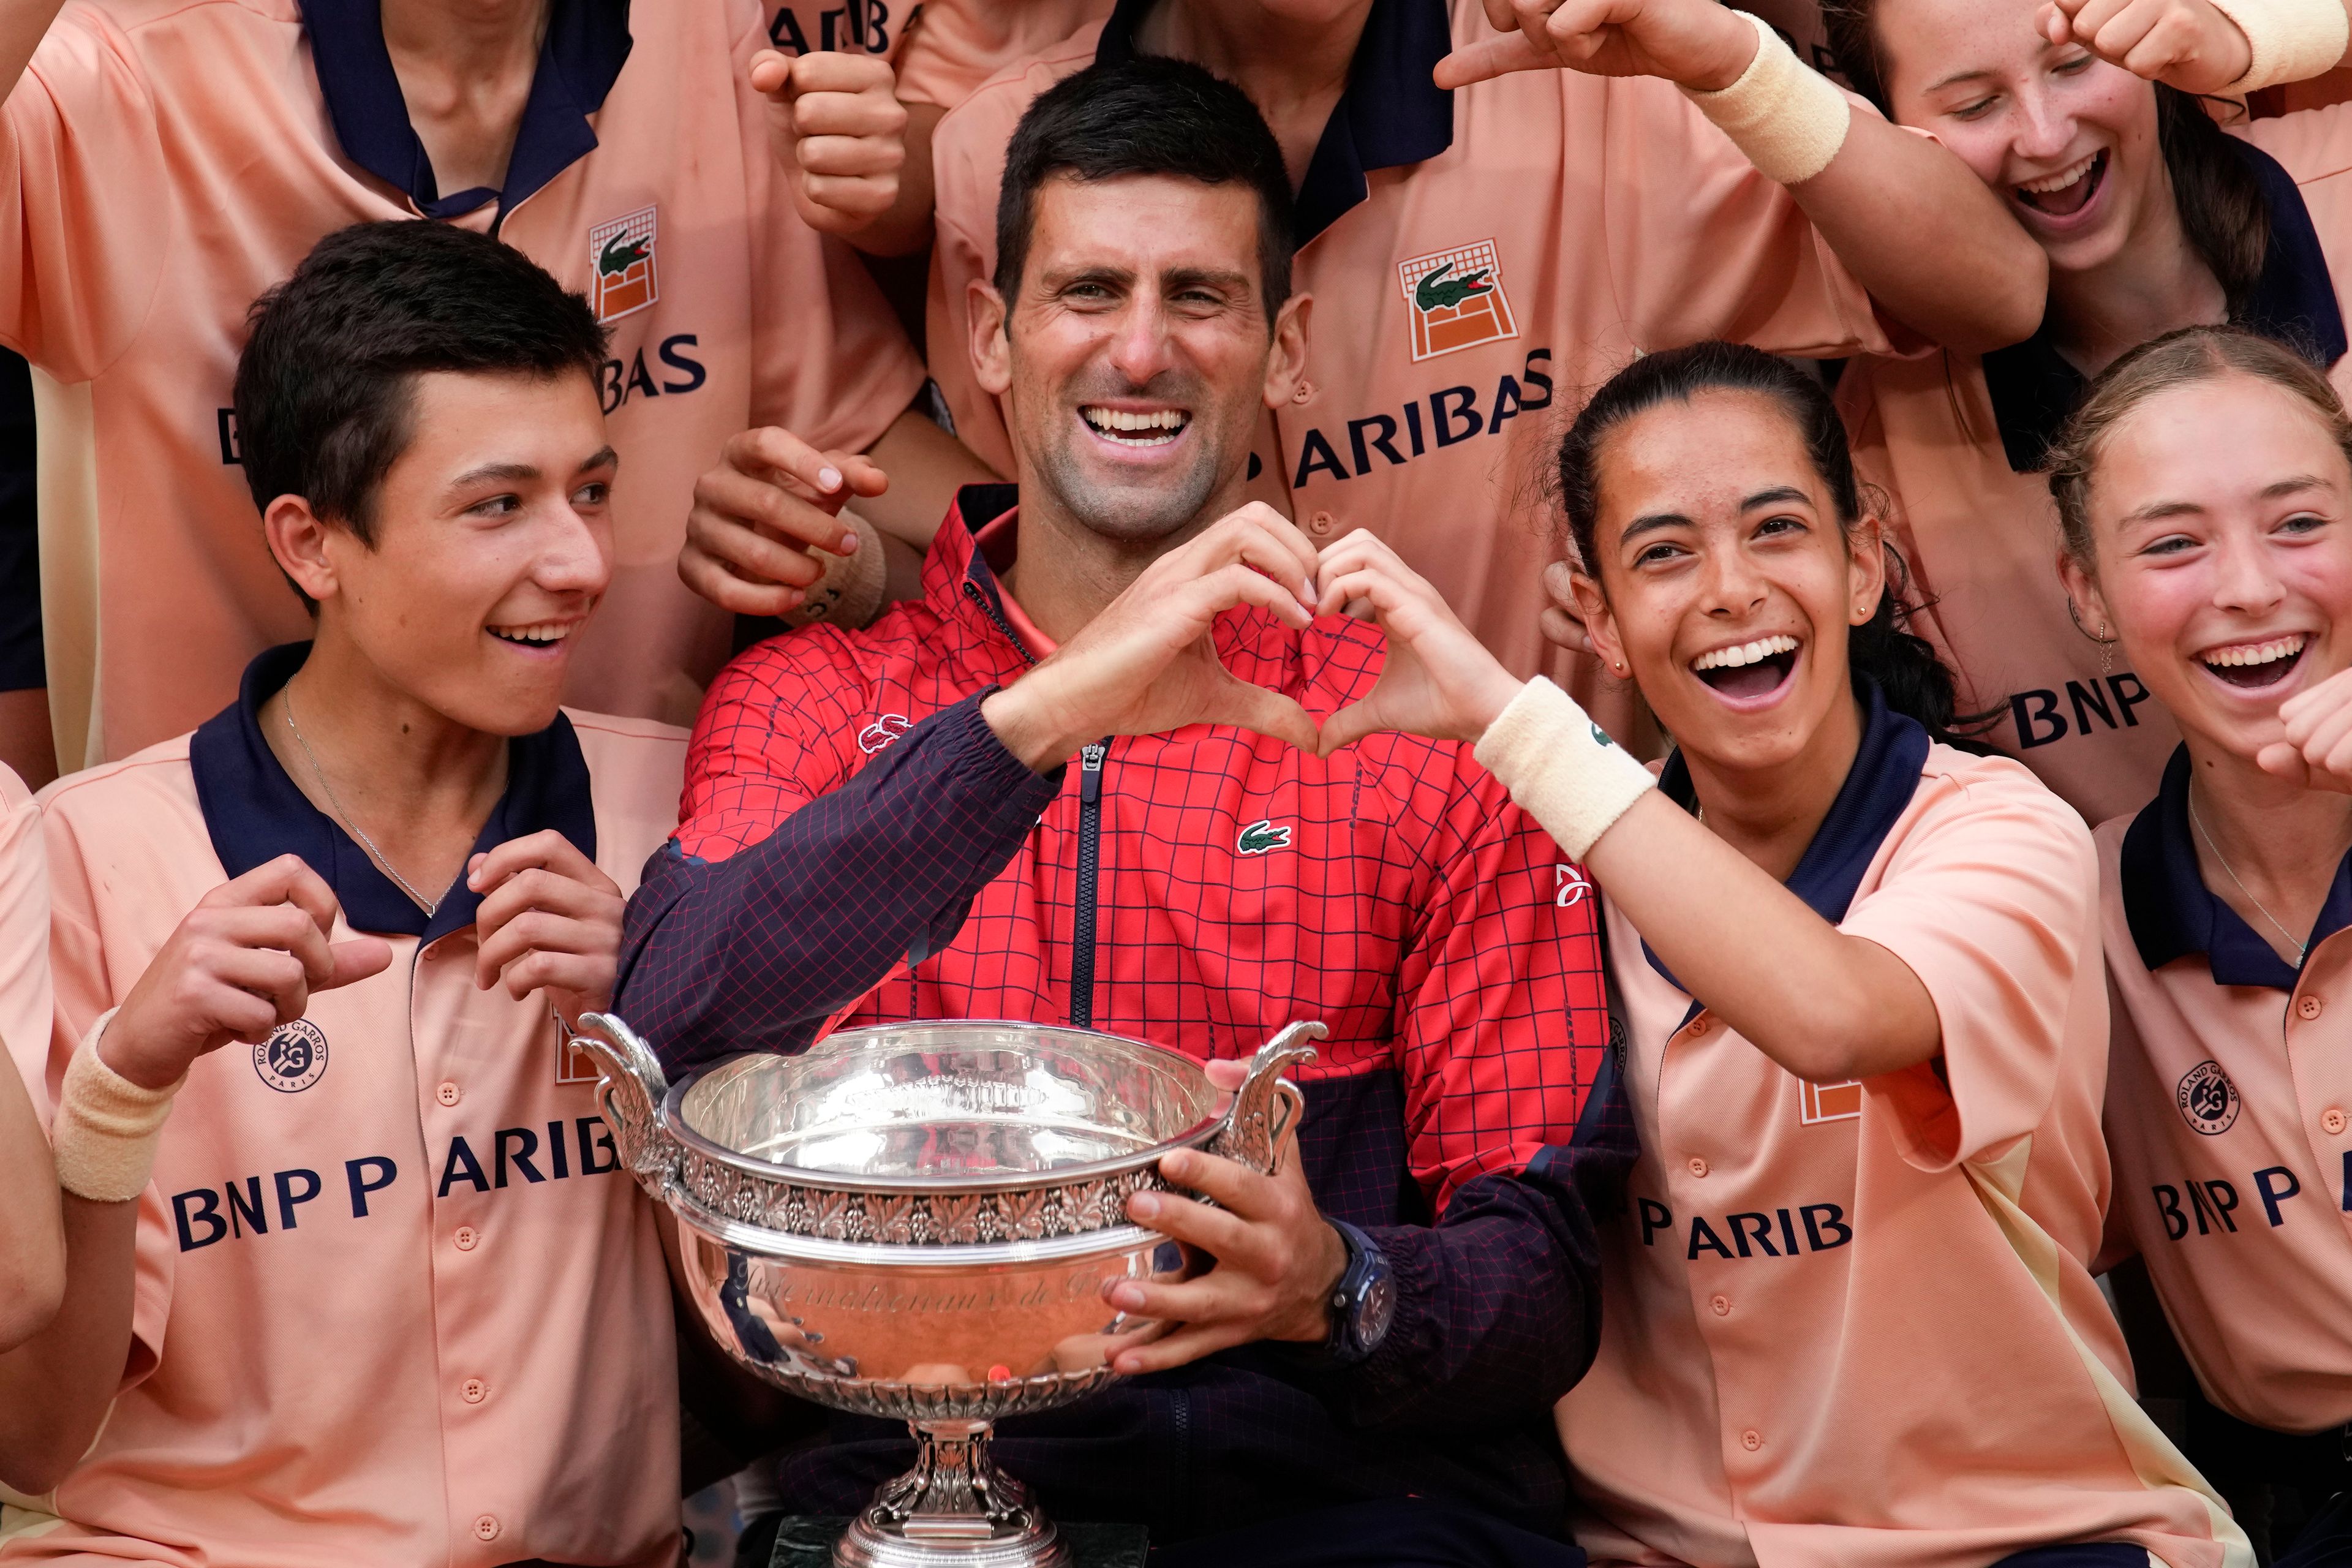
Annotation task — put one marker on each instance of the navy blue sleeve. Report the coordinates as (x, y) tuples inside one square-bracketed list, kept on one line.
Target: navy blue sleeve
[(754, 953)]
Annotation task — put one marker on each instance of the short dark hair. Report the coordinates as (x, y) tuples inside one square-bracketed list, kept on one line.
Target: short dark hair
[(323, 389), (1145, 116)]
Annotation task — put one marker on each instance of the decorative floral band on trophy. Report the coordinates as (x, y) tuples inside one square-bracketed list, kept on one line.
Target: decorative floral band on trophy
[(922, 1222)]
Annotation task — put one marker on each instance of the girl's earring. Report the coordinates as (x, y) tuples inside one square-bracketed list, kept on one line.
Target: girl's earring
[(2106, 651)]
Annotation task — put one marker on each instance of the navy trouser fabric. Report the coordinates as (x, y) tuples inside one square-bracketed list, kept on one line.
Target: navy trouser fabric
[(2089, 1554), (2327, 1541), (1404, 1532)]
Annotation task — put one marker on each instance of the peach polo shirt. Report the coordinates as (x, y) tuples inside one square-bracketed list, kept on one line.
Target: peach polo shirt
[(1476, 258), (1956, 443), (2230, 1120), (397, 1302), (25, 1005), (163, 162), (1854, 1323)]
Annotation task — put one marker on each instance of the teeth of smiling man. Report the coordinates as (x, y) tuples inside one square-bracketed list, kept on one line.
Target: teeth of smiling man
[(1159, 426), (1745, 653), (2269, 652), (538, 632), (2062, 179)]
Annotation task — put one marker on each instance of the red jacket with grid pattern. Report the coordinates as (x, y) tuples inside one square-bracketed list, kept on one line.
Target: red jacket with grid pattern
[(852, 829)]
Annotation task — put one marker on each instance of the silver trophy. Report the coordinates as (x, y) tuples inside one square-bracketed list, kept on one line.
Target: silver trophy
[(921, 1221)]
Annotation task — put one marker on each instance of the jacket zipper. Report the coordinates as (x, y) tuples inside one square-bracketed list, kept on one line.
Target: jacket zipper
[(1082, 932), (1091, 772)]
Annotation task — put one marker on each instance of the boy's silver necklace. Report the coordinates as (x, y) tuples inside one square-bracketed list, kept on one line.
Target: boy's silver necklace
[(430, 905), (2300, 948)]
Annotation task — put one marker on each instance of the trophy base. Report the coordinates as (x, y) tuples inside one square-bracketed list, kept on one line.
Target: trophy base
[(1036, 1545), (954, 1510)]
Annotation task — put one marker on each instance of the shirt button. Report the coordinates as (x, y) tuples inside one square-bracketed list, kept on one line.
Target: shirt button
[(466, 1238), (1303, 392), (1698, 1166), (1751, 1439), (1722, 1306), (475, 1390), (1320, 523), (1700, 1025), (448, 1094), (2309, 1006), (2333, 1119), (486, 1528)]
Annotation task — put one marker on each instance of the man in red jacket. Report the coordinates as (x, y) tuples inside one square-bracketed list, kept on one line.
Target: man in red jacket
[(883, 824)]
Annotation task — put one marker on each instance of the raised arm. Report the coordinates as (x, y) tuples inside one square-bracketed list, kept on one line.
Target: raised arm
[(1929, 240), (2201, 46)]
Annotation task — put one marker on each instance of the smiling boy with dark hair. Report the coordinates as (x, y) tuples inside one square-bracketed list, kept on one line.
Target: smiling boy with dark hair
[(379, 1291)]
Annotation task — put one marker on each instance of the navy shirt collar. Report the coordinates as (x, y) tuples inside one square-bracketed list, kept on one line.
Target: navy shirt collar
[(587, 43), (1877, 791), (254, 814), (2034, 389), (1391, 113), (2173, 914)]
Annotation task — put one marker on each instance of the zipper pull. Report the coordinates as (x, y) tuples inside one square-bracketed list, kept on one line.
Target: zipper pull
[(1090, 770)]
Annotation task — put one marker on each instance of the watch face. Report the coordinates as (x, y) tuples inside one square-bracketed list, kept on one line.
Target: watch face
[(1374, 1310)]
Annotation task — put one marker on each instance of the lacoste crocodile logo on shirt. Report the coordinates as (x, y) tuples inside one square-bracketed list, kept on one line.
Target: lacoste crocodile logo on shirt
[(1456, 299), (1260, 836)]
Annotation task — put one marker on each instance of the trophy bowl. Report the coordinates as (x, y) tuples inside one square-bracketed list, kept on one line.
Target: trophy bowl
[(921, 1221)]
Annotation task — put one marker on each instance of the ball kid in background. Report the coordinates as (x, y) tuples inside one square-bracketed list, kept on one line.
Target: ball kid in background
[(2154, 216), (1847, 1316), (2205, 486), (378, 1291), (1495, 209)]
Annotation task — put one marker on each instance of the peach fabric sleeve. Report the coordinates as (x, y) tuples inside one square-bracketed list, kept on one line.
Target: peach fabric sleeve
[(1992, 903), (1702, 244), (86, 214)]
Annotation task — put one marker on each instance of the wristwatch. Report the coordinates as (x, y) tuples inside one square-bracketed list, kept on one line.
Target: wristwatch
[(1363, 1303)]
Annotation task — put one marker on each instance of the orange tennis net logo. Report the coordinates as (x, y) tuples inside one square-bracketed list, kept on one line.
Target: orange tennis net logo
[(1819, 1102), (1456, 300), (621, 255)]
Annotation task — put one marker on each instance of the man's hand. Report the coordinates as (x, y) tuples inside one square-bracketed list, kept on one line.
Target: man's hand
[(1147, 663), (839, 132), (1438, 680), (1277, 1259), (772, 499), (2317, 750), (247, 958), (2185, 44), (550, 919), (1697, 43)]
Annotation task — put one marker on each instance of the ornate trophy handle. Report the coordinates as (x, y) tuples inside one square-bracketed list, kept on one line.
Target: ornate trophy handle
[(1268, 1105), (629, 1093)]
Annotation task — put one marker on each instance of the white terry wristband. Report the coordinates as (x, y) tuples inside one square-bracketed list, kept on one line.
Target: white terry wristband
[(2291, 40), (1790, 121), (1560, 766), (107, 1128), (850, 590)]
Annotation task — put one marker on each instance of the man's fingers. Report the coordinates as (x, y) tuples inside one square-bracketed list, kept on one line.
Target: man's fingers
[(1262, 713), (829, 70), (356, 959), (1489, 58), (770, 70), (1562, 630), (1350, 725), (712, 580), (779, 455), (1178, 1349), (284, 880), (1219, 1232), (546, 850), (541, 969)]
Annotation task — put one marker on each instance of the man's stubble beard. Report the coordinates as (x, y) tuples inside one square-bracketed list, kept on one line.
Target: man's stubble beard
[(1133, 514)]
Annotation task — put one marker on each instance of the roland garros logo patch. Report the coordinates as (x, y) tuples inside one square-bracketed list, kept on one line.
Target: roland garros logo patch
[(1456, 300), (621, 256), (293, 1057), (2208, 1100)]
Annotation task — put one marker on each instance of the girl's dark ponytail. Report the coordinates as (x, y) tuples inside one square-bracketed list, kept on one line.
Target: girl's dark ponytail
[(1904, 666)]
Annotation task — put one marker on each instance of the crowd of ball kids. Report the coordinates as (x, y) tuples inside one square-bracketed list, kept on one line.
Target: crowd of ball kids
[(1756, 609)]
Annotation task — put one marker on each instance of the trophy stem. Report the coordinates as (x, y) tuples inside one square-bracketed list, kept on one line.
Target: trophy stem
[(954, 1510)]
